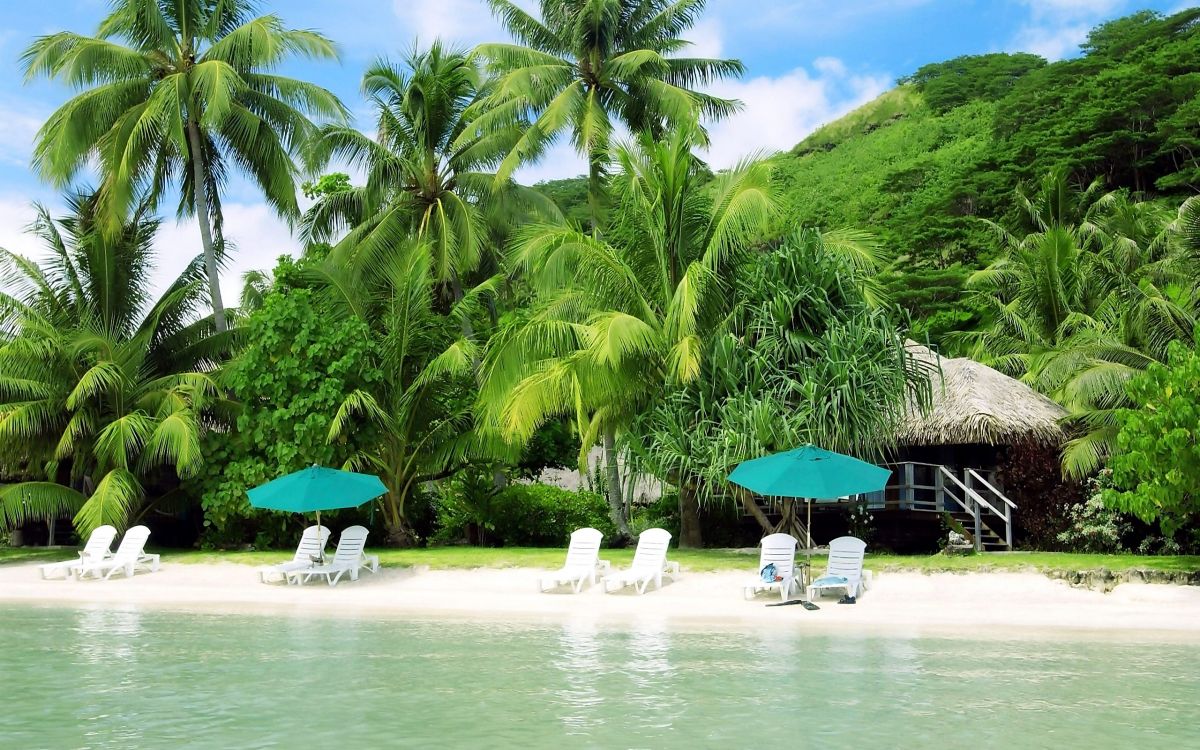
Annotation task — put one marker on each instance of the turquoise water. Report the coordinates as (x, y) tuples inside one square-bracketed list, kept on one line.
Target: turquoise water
[(99, 678)]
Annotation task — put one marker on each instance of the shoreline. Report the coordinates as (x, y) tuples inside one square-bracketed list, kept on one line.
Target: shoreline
[(984, 605)]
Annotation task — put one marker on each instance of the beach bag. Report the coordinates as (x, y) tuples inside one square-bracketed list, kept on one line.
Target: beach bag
[(768, 573)]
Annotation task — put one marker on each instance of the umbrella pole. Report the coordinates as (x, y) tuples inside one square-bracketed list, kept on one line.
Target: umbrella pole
[(808, 526), (321, 552)]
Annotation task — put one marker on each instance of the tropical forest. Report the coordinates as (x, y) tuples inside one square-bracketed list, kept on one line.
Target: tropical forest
[(640, 329)]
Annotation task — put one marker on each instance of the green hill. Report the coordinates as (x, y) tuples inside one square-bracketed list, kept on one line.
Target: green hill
[(922, 164)]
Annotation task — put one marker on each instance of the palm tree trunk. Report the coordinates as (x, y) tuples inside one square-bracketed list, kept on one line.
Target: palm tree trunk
[(210, 255), (616, 501), (689, 518), (595, 192)]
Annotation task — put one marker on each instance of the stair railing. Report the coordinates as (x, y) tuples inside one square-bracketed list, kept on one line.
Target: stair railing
[(975, 505), (1008, 505)]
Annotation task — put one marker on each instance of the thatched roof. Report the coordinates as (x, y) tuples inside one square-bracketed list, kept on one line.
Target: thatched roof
[(974, 404)]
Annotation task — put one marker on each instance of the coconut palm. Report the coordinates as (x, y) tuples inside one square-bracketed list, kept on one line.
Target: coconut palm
[(1079, 306), (181, 93), (588, 67), (103, 390), (615, 320), (421, 407), (428, 171)]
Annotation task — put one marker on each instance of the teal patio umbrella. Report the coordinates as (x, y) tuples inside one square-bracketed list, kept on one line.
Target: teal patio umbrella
[(811, 473), (315, 489)]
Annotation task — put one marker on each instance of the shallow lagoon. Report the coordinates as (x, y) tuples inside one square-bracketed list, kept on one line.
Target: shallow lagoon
[(105, 678)]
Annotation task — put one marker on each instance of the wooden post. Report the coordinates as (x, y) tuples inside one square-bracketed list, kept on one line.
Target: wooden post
[(1008, 512), (908, 493), (939, 490)]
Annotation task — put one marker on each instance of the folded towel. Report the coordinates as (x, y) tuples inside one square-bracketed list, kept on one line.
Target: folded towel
[(831, 581)]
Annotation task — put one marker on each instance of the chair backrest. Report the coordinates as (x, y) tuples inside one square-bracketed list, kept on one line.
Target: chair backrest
[(846, 556), (652, 549), (779, 549), (350, 546), (312, 543), (132, 544), (584, 549), (100, 542)]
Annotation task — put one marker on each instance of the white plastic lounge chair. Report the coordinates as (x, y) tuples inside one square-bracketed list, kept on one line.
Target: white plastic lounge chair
[(845, 570), (98, 548), (778, 550), (312, 544), (347, 558), (130, 555), (583, 562), (649, 563)]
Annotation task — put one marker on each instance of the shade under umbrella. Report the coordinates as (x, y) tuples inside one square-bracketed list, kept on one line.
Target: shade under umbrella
[(812, 473), (315, 489)]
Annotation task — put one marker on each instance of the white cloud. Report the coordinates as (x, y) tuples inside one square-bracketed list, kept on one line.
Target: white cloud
[(19, 123), (780, 111), (1056, 28), (1052, 43), (707, 38), (16, 213), (259, 235)]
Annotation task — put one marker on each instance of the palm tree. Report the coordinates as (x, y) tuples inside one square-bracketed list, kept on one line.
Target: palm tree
[(103, 390), (428, 170), (1090, 298), (421, 408), (588, 66), (615, 321), (181, 93)]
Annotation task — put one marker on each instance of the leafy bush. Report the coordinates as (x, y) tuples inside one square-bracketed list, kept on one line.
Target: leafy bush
[(1032, 477), (1095, 527), (289, 381), (661, 514), (541, 515), (525, 515), (1156, 470)]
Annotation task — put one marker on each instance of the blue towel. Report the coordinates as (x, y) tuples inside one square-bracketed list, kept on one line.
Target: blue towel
[(831, 581)]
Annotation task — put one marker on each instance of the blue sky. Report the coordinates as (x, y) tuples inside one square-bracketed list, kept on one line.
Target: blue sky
[(809, 61)]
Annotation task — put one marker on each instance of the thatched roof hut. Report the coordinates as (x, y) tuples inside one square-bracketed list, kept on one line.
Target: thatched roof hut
[(976, 405)]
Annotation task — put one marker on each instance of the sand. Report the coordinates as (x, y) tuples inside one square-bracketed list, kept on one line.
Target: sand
[(997, 605)]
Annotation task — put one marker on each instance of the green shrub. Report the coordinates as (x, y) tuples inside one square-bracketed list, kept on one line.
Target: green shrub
[(663, 513), (1156, 469), (1094, 526), (523, 515), (288, 382)]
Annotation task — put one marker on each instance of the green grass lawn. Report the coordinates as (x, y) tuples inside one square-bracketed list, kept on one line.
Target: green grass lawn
[(693, 560)]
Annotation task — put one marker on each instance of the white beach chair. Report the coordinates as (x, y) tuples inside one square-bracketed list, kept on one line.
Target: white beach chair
[(130, 555), (583, 562), (98, 548), (312, 544), (778, 550), (649, 563), (347, 558), (845, 569)]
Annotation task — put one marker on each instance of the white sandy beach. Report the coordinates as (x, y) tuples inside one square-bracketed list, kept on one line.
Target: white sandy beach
[(980, 604)]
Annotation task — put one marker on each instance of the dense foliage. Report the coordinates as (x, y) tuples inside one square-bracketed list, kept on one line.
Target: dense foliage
[(104, 392), (533, 515), (177, 95), (1156, 472), (288, 382), (453, 331)]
